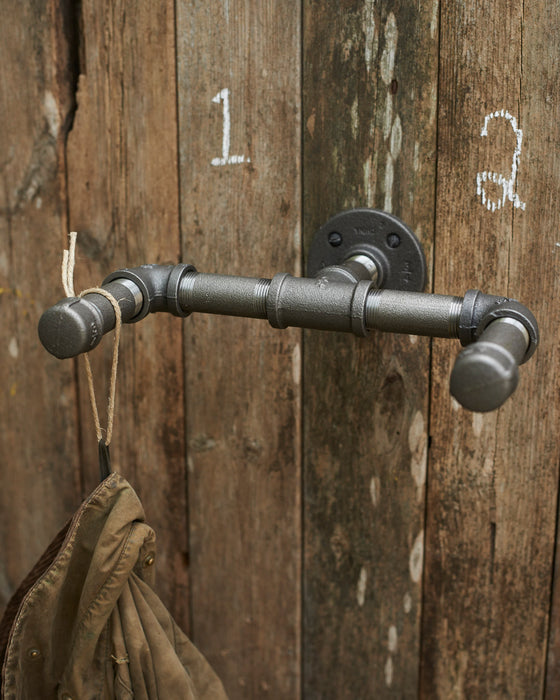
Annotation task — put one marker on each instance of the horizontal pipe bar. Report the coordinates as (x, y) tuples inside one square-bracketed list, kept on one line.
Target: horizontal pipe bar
[(319, 303), (342, 298), (413, 313), (325, 302), (224, 294)]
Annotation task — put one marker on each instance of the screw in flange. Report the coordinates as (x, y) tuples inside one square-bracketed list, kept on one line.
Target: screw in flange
[(393, 240), (335, 239)]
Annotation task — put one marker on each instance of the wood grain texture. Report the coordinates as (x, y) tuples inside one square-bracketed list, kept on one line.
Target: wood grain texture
[(39, 475), (123, 188), (370, 77), (88, 106), (243, 378), (493, 478), (538, 270)]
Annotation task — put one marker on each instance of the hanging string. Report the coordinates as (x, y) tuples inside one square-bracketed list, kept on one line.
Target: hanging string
[(68, 263)]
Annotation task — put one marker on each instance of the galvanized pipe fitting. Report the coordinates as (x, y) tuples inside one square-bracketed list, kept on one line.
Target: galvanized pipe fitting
[(484, 375), (353, 254), (414, 313)]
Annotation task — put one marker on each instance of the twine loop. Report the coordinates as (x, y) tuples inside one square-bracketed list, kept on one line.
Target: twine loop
[(68, 264)]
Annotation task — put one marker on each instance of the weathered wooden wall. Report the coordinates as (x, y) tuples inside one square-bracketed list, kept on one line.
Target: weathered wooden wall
[(243, 377), (330, 523), (492, 487), (40, 481), (369, 103)]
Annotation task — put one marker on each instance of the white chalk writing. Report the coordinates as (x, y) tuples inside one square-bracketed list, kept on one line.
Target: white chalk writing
[(226, 159), (506, 183)]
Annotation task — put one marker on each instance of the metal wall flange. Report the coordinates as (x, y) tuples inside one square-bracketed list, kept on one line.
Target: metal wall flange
[(382, 237)]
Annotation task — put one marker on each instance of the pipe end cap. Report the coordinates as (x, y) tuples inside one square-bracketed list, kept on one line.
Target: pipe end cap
[(484, 376), (69, 328)]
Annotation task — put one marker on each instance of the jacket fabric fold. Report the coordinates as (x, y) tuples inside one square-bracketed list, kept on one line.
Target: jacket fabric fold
[(86, 623)]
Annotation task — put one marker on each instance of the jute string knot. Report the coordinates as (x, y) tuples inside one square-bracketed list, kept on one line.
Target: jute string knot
[(68, 264)]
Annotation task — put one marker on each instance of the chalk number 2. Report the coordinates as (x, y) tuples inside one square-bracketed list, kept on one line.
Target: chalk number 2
[(507, 183)]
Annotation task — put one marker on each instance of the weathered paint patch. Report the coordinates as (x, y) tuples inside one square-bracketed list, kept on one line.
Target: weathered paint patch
[(396, 138), (433, 104), (370, 49), (435, 19), (369, 185), (388, 672), (355, 119), (416, 157), (407, 603), (477, 424), (418, 444), (389, 177), (388, 119), (296, 364), (387, 66), (13, 348), (50, 111), (310, 124), (361, 587), (416, 560), (488, 467), (374, 486)]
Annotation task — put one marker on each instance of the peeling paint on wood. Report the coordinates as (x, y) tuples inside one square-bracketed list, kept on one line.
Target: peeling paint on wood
[(361, 397)]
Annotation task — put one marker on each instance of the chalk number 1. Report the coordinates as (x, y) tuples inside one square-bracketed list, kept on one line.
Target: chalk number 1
[(226, 159)]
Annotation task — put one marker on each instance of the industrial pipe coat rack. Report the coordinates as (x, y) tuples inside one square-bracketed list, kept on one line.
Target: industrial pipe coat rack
[(366, 271)]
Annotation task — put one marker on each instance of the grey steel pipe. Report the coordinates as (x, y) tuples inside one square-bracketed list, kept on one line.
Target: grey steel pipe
[(74, 326), (343, 299), (223, 294), (414, 313)]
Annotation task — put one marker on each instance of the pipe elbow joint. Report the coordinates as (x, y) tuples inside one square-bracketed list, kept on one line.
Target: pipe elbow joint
[(159, 286), (479, 310)]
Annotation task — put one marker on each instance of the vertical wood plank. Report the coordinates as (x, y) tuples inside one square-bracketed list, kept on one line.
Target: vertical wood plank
[(239, 106), (493, 477), (370, 94), (123, 184), (537, 263), (39, 474)]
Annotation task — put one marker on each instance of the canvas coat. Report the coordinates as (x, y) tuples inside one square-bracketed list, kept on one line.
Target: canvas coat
[(87, 624)]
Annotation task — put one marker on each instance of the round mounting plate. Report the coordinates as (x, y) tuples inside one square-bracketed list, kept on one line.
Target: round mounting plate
[(383, 237)]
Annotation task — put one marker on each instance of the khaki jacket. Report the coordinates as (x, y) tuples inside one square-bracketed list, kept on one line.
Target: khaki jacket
[(86, 623)]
